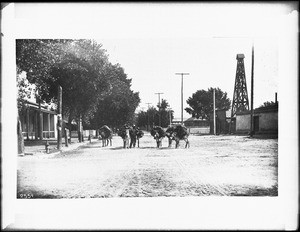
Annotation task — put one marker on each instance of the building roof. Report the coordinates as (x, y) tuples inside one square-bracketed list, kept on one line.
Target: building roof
[(266, 109), (194, 119), (44, 108), (178, 119)]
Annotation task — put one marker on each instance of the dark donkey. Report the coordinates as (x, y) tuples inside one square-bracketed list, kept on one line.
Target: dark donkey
[(125, 135), (177, 133), (158, 134), (139, 135), (105, 134)]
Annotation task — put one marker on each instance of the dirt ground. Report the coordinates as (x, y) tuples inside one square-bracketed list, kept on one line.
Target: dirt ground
[(213, 165)]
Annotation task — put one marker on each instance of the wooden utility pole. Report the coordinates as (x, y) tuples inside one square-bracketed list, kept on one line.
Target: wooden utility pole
[(59, 118), (214, 99), (159, 108), (40, 121), (182, 93), (148, 103), (252, 92), (170, 116), (27, 122)]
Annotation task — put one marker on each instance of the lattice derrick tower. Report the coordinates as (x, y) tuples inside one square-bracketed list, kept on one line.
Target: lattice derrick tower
[(240, 95)]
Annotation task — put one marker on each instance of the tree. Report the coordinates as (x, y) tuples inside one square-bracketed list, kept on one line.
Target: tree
[(148, 118), (164, 104), (201, 103), (76, 65), (33, 59), (119, 105), (164, 113), (36, 57), (152, 115), (81, 75), (268, 104), (93, 88), (142, 119), (24, 92)]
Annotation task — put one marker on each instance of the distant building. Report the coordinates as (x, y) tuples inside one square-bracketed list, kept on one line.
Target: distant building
[(222, 122), (265, 120), (176, 121), (197, 126)]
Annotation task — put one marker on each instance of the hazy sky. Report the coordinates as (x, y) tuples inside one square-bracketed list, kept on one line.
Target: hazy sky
[(211, 62), (152, 42)]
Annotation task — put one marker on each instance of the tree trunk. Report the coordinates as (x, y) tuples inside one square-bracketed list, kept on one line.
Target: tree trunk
[(70, 125), (21, 147), (79, 129)]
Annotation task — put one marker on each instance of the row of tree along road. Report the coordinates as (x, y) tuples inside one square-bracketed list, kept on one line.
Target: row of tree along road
[(94, 91)]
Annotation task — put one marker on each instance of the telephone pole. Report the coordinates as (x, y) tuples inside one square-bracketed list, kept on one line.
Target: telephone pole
[(214, 103), (148, 103), (159, 107), (182, 93), (59, 119), (170, 115), (252, 91)]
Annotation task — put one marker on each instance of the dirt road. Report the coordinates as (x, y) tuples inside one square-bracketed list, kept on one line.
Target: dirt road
[(213, 165)]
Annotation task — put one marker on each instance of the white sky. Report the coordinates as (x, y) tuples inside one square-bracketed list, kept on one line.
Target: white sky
[(152, 42), (211, 62)]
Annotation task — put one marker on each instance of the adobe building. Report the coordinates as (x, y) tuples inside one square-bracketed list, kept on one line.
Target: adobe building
[(197, 126), (265, 121)]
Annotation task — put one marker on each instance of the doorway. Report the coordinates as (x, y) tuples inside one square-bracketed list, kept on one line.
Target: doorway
[(256, 123)]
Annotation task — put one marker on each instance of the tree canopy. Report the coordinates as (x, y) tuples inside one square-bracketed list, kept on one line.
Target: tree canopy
[(268, 104), (120, 102), (91, 84), (201, 103), (165, 113), (152, 115)]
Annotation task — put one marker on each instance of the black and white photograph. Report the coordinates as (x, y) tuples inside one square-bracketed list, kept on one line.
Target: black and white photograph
[(149, 116)]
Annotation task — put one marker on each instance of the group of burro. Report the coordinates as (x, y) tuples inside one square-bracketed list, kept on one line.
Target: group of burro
[(132, 134), (173, 132)]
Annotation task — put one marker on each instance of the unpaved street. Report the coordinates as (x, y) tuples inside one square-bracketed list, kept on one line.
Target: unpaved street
[(213, 165)]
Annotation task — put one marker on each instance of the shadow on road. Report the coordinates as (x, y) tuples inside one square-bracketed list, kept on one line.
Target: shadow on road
[(91, 145), (161, 148), (154, 148)]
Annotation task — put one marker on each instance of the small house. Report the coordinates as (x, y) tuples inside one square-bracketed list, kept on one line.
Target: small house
[(197, 126), (38, 121), (265, 120)]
